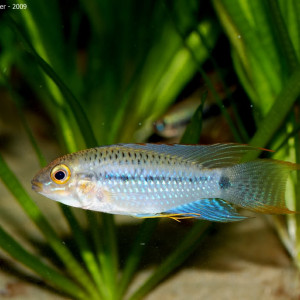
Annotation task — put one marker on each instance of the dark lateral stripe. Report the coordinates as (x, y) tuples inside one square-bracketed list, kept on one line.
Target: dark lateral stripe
[(112, 176), (224, 183)]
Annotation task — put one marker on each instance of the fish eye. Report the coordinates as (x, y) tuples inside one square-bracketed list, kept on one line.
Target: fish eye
[(60, 174), (160, 126)]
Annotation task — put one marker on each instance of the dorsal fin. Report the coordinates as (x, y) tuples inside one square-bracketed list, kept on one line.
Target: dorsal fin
[(209, 156)]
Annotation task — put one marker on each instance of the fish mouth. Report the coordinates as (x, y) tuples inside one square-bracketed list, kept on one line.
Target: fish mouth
[(36, 186)]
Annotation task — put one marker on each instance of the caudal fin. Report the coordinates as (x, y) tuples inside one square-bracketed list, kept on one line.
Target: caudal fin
[(258, 185)]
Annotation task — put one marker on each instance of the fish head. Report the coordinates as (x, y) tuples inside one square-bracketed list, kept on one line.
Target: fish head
[(58, 181)]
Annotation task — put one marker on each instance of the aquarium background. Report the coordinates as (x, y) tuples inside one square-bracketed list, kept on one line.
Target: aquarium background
[(80, 74)]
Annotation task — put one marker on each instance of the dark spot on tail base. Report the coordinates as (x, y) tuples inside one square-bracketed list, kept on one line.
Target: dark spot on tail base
[(224, 183)]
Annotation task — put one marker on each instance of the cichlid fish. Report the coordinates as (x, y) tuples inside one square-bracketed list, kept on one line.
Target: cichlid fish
[(173, 123), (178, 181)]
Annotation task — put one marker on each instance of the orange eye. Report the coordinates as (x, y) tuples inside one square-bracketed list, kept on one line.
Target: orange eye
[(60, 174)]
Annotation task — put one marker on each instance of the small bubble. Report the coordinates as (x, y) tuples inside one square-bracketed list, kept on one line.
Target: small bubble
[(102, 123), (41, 86), (140, 124), (142, 244), (238, 36)]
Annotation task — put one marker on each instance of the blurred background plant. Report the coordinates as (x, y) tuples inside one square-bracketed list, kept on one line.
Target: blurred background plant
[(103, 72)]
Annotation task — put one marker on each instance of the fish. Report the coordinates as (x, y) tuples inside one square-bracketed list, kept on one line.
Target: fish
[(173, 122), (159, 180)]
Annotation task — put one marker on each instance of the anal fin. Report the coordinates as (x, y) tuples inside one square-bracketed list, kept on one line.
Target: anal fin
[(216, 210)]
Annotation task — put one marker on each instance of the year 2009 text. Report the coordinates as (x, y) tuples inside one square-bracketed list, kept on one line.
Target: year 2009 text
[(13, 6)]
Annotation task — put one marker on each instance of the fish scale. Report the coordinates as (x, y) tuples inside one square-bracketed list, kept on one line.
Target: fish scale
[(157, 180)]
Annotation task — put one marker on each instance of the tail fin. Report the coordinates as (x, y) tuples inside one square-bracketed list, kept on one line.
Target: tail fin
[(258, 185)]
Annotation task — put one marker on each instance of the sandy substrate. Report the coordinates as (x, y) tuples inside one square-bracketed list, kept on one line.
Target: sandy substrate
[(240, 261)]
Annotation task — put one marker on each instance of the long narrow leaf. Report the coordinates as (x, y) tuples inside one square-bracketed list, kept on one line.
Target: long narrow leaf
[(77, 109), (85, 249), (277, 113), (108, 255), (8, 244), (282, 36)]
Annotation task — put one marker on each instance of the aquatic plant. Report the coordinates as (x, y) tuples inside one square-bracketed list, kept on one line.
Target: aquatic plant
[(131, 62), (265, 48)]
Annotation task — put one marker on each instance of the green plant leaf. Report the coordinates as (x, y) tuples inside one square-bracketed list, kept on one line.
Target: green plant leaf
[(13, 248), (277, 114)]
